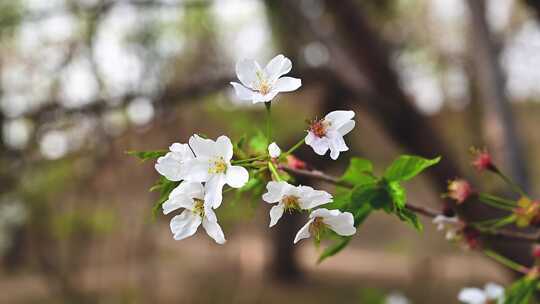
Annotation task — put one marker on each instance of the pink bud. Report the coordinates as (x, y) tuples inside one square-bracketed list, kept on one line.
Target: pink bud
[(483, 161), (472, 237), (536, 251), (295, 163), (459, 190)]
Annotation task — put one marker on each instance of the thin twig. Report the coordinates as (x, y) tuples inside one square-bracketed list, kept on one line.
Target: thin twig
[(502, 233)]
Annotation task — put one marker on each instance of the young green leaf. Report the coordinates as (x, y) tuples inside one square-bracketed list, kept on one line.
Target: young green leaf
[(259, 143), (410, 217), (373, 194), (406, 167), (397, 193), (166, 188), (146, 155), (359, 172), (522, 291), (334, 248)]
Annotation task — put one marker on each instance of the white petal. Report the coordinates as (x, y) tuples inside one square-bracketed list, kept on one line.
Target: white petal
[(310, 198), (494, 291), (278, 66), (276, 191), (213, 190), (303, 233), (472, 296), (342, 223), (224, 148), (273, 150), (188, 189), (214, 231), (276, 213), (176, 203), (236, 176), (246, 72), (169, 167), (338, 118), (196, 170), (310, 138), (182, 151), (323, 212), (182, 196), (336, 145), (185, 225), (319, 144), (202, 147), (346, 127), (258, 97), (209, 213), (242, 92), (287, 84)]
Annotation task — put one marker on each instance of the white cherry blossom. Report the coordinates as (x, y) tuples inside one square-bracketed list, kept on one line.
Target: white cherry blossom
[(327, 133), (263, 84), (273, 150), (340, 222), (190, 197), (492, 293), (452, 225), (291, 197), (212, 165), (170, 164)]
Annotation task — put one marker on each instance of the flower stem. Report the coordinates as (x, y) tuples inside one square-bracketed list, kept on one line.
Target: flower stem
[(268, 106), (274, 171), (296, 146), (505, 261), (248, 160), (512, 185), (496, 202)]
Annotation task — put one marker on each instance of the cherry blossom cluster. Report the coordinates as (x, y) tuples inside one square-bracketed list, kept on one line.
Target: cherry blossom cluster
[(204, 166)]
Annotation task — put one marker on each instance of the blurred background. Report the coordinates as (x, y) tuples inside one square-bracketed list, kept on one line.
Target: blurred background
[(82, 81)]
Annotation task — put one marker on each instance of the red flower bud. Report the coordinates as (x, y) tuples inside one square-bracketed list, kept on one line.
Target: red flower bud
[(536, 251), (471, 237), (459, 190), (295, 163), (483, 161)]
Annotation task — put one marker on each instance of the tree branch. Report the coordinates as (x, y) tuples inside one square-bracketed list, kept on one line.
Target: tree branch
[(425, 211)]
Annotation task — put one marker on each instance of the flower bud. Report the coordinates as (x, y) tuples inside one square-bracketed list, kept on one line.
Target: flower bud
[(295, 163), (459, 190), (526, 212), (536, 251), (483, 161), (471, 236)]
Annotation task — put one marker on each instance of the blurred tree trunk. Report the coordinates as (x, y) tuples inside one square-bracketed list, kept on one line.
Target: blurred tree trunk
[(388, 102), (498, 121)]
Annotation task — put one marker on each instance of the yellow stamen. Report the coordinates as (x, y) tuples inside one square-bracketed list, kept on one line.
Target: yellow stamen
[(199, 207), (290, 202), (218, 166), (316, 227)]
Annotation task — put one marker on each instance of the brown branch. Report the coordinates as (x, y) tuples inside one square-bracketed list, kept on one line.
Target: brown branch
[(425, 211)]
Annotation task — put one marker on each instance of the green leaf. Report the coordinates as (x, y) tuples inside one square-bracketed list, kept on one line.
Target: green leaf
[(341, 200), (258, 143), (334, 248), (373, 194), (406, 167), (146, 155), (165, 188), (397, 193), (521, 292), (361, 214), (359, 172), (410, 217)]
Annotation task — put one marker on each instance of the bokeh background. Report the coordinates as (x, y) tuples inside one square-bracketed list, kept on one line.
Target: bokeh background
[(83, 81)]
